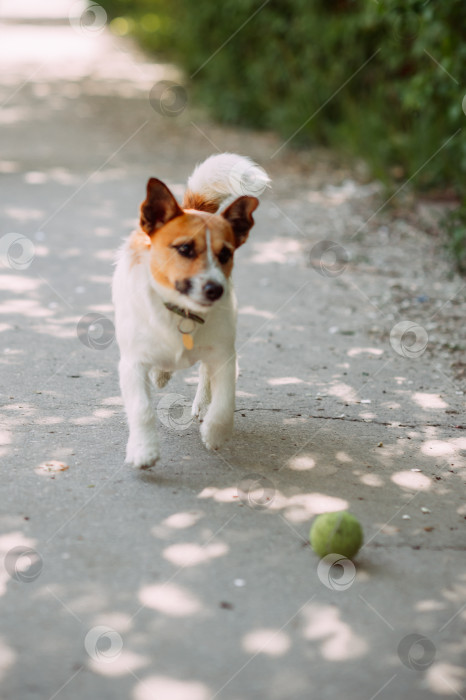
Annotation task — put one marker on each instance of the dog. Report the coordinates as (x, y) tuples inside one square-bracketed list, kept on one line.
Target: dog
[(174, 299)]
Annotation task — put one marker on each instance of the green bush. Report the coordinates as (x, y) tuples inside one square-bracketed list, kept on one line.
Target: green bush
[(455, 227), (152, 22), (381, 79)]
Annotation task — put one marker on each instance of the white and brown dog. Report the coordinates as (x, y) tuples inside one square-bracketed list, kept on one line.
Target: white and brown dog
[(174, 300)]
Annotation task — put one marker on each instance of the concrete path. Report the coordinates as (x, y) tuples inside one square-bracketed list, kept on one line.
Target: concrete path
[(196, 581)]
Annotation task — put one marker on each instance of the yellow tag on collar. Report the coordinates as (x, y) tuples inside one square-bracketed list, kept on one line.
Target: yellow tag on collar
[(188, 341)]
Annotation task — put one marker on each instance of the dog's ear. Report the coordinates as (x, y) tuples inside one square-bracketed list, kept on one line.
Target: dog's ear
[(159, 207), (239, 216)]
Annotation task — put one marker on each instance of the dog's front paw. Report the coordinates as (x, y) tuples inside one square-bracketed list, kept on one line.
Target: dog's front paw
[(199, 408), (142, 455), (215, 434)]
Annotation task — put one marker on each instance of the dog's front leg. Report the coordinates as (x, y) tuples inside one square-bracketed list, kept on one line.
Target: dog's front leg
[(143, 445), (203, 394), (217, 427)]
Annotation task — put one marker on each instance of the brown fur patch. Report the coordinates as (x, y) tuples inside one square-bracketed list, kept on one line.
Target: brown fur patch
[(194, 200), (239, 216), (168, 266), (159, 207)]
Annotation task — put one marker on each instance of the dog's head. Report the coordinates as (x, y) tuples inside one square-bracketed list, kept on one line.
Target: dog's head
[(191, 252)]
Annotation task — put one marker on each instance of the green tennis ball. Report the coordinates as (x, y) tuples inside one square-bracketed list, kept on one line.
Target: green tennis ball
[(336, 533)]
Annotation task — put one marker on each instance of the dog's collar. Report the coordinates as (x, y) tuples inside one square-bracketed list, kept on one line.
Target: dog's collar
[(184, 312)]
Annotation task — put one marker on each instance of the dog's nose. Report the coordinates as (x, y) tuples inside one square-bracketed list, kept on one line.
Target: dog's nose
[(213, 290)]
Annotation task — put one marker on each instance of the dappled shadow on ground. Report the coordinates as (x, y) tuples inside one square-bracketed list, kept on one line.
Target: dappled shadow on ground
[(195, 579), (202, 582)]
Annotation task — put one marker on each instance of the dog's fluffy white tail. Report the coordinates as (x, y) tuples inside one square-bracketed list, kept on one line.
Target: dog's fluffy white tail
[(224, 177)]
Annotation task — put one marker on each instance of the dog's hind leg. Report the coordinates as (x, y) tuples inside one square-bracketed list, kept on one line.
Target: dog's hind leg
[(203, 395), (161, 378)]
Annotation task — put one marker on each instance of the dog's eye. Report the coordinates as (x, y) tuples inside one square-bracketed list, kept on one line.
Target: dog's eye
[(224, 255), (186, 250)]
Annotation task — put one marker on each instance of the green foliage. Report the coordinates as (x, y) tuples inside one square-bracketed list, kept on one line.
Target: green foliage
[(455, 226), (382, 79), (150, 21)]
